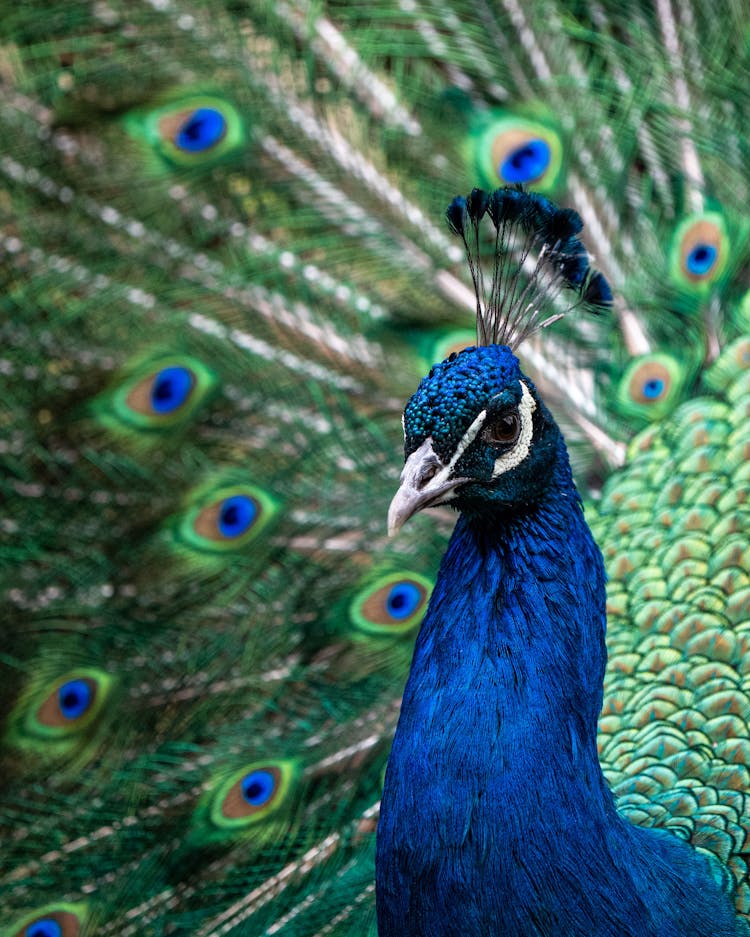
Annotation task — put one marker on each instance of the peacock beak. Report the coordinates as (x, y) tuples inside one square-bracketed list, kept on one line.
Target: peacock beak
[(424, 483)]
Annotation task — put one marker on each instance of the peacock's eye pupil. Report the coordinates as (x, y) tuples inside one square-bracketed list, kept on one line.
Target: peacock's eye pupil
[(701, 258), (46, 928), (203, 129), (171, 389), (526, 163), (258, 787), (653, 388), (74, 698), (504, 429)]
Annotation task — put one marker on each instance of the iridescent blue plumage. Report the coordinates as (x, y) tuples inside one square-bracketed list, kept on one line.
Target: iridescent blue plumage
[(496, 818)]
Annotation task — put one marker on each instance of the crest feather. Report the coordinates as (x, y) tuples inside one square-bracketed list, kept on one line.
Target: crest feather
[(537, 256)]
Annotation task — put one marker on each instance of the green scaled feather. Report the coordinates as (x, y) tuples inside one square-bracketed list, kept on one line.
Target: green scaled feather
[(673, 528)]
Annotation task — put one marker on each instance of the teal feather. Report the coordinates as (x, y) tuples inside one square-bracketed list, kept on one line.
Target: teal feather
[(251, 195)]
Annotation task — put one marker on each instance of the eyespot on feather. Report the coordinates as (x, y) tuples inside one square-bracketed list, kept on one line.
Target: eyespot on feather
[(392, 604), (226, 519), (252, 794), (72, 705), (163, 392), (197, 130), (650, 383), (230, 518), (700, 251), (650, 387), (61, 920), (159, 395), (191, 132), (513, 150)]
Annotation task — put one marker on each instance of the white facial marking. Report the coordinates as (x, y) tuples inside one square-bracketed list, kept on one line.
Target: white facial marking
[(509, 460), (467, 439)]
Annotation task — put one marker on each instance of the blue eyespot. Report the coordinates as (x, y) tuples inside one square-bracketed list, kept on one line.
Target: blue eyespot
[(258, 787), (701, 259), (74, 698), (203, 129), (171, 389), (252, 794), (651, 385), (526, 163), (403, 600), (653, 388), (392, 605), (236, 515), (44, 928)]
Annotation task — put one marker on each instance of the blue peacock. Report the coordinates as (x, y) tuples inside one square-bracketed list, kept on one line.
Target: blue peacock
[(224, 270)]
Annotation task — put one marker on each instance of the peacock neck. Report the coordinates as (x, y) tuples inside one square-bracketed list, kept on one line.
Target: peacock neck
[(511, 652), (495, 754)]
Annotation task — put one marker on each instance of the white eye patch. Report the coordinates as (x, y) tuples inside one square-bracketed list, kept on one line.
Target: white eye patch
[(509, 460)]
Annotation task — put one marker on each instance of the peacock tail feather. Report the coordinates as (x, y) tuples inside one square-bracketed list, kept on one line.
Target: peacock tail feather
[(224, 269)]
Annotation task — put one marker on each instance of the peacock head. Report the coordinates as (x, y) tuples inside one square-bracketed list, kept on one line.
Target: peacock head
[(477, 435)]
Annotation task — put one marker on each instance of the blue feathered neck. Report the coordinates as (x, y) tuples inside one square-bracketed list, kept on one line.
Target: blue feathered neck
[(495, 816)]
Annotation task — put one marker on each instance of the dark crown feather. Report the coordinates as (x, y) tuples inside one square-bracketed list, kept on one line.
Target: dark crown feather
[(537, 254)]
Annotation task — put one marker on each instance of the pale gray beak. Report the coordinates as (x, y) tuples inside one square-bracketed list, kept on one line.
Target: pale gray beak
[(424, 482)]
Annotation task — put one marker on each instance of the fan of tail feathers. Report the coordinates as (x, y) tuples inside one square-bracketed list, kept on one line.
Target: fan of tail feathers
[(224, 269)]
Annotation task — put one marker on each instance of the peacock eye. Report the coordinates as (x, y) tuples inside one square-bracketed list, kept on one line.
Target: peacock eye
[(61, 920), (503, 430)]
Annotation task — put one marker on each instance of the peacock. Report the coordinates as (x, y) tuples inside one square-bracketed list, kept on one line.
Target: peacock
[(495, 816), (225, 269)]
